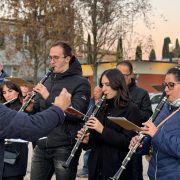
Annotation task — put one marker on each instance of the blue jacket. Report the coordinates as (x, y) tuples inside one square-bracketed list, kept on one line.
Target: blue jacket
[(15, 124), (165, 160)]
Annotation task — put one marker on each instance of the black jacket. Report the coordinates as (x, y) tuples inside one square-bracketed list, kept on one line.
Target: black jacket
[(19, 168), (79, 88), (110, 148), (141, 98)]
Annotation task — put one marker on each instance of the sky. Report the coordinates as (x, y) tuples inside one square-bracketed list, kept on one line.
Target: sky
[(169, 27)]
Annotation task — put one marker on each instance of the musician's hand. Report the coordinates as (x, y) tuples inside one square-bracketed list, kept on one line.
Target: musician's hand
[(63, 101), (94, 123), (149, 128), (86, 136), (133, 142), (42, 90), (31, 103)]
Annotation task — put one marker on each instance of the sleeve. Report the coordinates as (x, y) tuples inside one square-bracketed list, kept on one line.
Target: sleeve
[(145, 107), (20, 125), (80, 99), (117, 136), (81, 96), (168, 141)]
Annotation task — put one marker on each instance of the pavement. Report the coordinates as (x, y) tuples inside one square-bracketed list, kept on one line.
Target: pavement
[(27, 177)]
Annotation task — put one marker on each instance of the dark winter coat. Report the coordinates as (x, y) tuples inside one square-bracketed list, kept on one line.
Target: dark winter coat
[(19, 168), (165, 160), (79, 88), (141, 98), (15, 124), (110, 148)]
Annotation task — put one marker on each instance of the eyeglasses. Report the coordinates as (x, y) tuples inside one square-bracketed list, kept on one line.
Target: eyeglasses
[(170, 85), (55, 58), (126, 75)]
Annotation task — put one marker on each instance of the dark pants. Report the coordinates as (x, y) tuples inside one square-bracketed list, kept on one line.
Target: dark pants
[(85, 159), (44, 160), (13, 178)]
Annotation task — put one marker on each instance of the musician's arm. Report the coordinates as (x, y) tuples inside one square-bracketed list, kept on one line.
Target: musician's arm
[(15, 124)]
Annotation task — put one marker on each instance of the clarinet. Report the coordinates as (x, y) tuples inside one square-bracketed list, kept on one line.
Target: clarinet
[(67, 163), (141, 137), (33, 94)]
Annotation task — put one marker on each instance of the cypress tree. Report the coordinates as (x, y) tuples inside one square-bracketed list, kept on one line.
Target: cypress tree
[(89, 50), (177, 44), (138, 53), (165, 50), (152, 55), (119, 53)]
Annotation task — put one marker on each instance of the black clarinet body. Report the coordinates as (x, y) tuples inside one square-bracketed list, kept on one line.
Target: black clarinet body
[(141, 139), (67, 163), (33, 94)]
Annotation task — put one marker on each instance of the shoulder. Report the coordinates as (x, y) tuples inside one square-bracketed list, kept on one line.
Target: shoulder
[(78, 79), (138, 90)]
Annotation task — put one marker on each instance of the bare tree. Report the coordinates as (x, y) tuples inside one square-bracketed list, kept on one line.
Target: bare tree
[(37, 24), (107, 20)]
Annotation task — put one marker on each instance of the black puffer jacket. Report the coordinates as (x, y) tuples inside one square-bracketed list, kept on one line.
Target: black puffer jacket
[(79, 88), (141, 98)]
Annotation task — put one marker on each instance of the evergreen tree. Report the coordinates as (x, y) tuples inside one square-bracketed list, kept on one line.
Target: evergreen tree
[(138, 53), (165, 50), (119, 53), (152, 55), (89, 50), (177, 44)]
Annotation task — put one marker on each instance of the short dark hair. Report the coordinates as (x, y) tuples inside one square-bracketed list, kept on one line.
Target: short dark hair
[(67, 50), (126, 63), (175, 71), (117, 82)]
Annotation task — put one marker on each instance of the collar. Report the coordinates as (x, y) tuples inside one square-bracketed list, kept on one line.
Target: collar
[(176, 103)]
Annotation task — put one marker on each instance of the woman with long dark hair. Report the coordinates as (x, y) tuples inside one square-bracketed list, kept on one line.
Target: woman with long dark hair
[(108, 141), (10, 92)]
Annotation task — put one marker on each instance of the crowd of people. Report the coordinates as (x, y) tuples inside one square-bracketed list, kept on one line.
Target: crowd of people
[(54, 131)]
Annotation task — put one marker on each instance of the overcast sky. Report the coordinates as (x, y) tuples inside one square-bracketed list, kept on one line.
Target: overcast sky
[(170, 10)]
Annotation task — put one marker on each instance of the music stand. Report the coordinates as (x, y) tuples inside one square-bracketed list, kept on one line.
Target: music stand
[(123, 122)]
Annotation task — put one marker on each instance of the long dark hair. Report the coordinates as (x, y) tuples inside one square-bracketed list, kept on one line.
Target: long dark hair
[(117, 82), (12, 86)]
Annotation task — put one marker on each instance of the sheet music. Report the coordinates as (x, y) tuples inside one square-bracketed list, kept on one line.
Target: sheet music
[(123, 122)]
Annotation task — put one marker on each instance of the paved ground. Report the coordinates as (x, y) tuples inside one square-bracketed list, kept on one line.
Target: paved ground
[(145, 165)]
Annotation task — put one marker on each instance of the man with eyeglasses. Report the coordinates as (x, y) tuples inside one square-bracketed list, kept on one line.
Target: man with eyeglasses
[(50, 152), (141, 98)]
